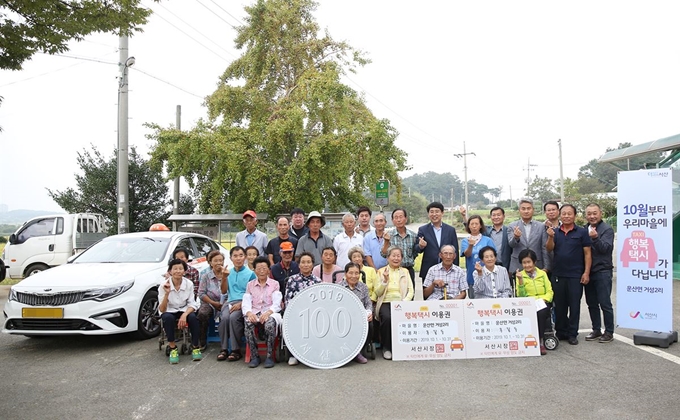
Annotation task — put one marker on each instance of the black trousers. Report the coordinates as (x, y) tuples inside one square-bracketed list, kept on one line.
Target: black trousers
[(386, 326)]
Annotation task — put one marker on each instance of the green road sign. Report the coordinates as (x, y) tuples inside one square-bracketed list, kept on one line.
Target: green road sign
[(382, 192)]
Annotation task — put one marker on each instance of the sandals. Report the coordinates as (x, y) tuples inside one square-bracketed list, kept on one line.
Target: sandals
[(222, 356), (234, 356)]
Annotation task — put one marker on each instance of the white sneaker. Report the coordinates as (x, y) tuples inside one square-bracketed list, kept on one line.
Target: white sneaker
[(292, 361), (387, 355)]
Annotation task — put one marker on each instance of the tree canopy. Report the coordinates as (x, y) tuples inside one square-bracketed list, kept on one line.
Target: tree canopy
[(605, 174), (96, 191), (435, 186), (31, 26), (282, 130)]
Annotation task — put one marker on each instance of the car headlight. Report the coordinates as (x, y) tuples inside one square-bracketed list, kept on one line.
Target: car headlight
[(12, 295), (108, 292)]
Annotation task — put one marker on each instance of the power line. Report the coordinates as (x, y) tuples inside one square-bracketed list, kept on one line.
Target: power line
[(57, 70), (225, 11), (197, 31), (440, 143), (166, 82), (213, 12), (83, 58), (191, 37)]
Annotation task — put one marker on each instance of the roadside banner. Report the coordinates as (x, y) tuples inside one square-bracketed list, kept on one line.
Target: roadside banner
[(462, 329), (644, 273)]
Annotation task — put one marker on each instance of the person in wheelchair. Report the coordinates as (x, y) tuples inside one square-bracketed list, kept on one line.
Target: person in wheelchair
[(178, 308), (261, 305), (212, 286), (491, 280), (351, 281), (532, 281), (299, 282)]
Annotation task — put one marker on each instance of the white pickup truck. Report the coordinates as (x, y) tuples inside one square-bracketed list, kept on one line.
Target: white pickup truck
[(49, 241)]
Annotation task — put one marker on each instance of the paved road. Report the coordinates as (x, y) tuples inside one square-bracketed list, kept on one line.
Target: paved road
[(122, 378)]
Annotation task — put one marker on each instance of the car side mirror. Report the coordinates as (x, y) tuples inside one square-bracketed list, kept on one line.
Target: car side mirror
[(13, 238)]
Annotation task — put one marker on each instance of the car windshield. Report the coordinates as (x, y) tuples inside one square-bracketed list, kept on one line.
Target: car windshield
[(126, 250)]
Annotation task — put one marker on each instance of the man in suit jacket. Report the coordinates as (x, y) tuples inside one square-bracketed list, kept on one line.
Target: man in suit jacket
[(499, 235), (527, 233), (432, 236)]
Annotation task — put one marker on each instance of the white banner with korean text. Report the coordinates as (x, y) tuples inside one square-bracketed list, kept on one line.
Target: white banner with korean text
[(644, 270), (464, 329)]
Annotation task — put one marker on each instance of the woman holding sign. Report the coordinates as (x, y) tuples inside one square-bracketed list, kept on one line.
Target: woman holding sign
[(532, 281), (395, 285)]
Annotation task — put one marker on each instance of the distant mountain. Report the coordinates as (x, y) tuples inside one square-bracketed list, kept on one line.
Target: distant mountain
[(17, 217)]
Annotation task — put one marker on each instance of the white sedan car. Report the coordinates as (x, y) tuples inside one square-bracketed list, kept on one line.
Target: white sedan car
[(110, 288)]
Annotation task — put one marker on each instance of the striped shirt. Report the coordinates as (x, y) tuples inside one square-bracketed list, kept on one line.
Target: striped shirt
[(455, 279), (406, 244), (492, 284)]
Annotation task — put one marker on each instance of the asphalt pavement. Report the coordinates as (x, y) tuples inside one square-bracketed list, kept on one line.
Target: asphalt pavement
[(119, 377)]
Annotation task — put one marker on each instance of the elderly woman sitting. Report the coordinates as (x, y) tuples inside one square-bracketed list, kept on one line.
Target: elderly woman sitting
[(491, 280), (261, 305), (351, 281), (299, 282), (394, 285), (211, 287), (178, 306)]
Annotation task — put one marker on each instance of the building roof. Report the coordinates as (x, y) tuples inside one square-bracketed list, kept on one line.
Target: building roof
[(661, 145)]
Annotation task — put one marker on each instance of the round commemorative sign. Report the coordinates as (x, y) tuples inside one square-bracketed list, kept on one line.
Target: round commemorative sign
[(325, 326)]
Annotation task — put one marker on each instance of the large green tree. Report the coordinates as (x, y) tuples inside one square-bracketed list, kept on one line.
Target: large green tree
[(283, 130), (31, 26), (96, 191)]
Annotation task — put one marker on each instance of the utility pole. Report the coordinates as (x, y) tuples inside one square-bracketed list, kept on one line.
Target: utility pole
[(529, 166), (451, 205), (559, 143), (175, 195), (464, 156), (510, 197), (123, 207)]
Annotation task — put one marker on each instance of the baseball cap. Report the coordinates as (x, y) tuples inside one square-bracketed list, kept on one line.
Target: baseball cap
[(250, 213)]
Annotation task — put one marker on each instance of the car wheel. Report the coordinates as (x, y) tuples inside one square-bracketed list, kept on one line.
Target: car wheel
[(35, 269), (146, 327), (3, 270)]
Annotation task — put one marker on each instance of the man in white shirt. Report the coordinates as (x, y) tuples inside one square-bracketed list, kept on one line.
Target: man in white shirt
[(346, 240)]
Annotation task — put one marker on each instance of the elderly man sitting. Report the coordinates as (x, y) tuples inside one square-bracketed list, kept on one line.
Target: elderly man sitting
[(445, 280)]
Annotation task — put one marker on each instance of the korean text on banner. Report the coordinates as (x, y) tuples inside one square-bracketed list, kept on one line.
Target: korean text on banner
[(464, 329), (644, 276)]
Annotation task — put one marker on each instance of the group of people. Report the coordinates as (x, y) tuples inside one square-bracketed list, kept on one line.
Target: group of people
[(552, 261)]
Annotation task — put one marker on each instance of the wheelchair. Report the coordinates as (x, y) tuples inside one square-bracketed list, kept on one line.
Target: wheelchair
[(550, 339), (368, 351), (182, 338)]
